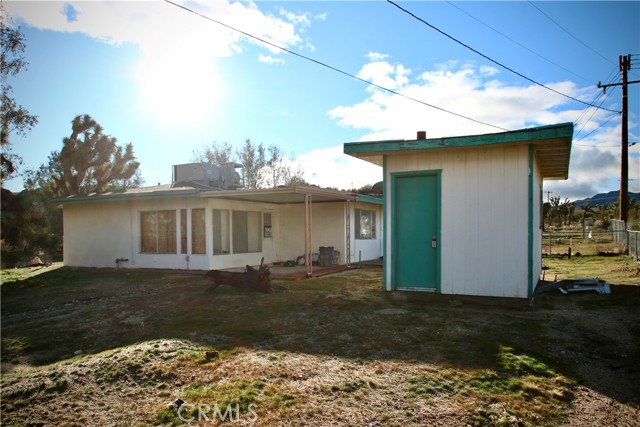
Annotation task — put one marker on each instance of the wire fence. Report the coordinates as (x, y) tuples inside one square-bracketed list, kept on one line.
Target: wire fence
[(628, 239), (588, 240), (633, 242)]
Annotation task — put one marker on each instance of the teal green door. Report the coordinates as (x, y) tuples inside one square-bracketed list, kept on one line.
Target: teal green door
[(416, 231)]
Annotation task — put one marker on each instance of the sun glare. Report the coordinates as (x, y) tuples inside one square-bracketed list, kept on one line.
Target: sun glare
[(179, 89)]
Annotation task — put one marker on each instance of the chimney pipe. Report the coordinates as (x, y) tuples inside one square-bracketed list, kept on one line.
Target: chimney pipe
[(422, 134)]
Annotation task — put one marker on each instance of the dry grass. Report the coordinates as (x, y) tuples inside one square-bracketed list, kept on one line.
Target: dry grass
[(322, 352)]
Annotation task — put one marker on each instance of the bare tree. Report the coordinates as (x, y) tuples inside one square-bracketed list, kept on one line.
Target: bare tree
[(217, 154), (263, 167), (280, 171), (252, 158)]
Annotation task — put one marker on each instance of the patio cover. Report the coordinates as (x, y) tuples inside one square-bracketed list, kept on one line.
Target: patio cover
[(295, 194)]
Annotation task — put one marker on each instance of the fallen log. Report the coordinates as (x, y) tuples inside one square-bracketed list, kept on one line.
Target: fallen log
[(257, 280)]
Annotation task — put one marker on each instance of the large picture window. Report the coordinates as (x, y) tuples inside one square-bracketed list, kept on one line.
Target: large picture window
[(220, 232), (158, 232), (365, 224), (198, 237), (247, 232)]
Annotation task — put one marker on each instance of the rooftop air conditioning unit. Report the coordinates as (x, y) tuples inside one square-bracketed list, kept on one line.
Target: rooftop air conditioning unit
[(201, 174)]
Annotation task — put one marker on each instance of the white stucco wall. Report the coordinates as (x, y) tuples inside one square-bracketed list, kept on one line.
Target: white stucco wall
[(366, 249), (97, 233), (484, 217), (329, 229)]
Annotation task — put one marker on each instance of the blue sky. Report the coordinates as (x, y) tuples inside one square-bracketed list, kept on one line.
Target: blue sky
[(170, 81)]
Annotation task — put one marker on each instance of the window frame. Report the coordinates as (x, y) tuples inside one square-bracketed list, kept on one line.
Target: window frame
[(358, 224), (198, 240), (221, 245), (168, 240), (249, 242)]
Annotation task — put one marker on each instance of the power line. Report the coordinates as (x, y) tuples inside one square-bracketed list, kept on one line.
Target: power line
[(518, 43), (493, 60), (591, 111), (577, 39), (608, 120), (632, 144), (315, 61), (600, 93), (604, 96)]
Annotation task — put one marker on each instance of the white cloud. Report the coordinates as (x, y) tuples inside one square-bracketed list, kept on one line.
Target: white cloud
[(330, 167), (321, 16), (385, 74), (376, 56), (159, 27), (487, 70), (475, 92), (295, 18), (460, 90), (268, 59), (595, 166), (176, 70)]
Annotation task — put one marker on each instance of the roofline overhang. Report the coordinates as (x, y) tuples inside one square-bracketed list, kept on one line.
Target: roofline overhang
[(121, 197), (271, 195), (556, 137), (368, 199), (267, 195)]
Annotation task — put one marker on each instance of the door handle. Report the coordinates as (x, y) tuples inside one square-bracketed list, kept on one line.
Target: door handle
[(434, 242)]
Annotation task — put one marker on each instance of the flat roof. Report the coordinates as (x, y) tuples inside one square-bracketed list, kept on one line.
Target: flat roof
[(283, 195), (141, 193), (552, 145)]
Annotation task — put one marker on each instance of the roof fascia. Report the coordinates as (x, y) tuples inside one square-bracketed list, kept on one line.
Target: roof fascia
[(101, 198), (368, 199), (563, 130), (298, 189)]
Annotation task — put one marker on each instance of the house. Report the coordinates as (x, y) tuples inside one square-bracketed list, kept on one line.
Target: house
[(463, 215), (200, 223)]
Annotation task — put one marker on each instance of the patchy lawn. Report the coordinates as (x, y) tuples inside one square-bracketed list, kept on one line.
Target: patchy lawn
[(92, 347)]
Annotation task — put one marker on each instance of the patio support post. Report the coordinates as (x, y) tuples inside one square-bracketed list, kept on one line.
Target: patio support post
[(348, 222), (307, 235)]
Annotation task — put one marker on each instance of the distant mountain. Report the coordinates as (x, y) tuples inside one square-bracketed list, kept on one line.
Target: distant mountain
[(605, 198)]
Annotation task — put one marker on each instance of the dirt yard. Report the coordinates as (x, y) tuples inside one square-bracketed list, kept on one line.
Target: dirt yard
[(83, 347)]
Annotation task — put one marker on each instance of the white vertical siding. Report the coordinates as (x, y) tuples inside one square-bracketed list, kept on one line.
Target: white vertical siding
[(484, 217), (537, 225)]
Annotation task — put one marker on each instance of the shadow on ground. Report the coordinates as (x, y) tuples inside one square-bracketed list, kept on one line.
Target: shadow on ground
[(588, 337)]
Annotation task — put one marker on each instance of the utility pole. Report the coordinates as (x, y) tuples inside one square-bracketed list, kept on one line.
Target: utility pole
[(625, 66)]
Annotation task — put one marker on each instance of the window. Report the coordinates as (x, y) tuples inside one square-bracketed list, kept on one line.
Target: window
[(247, 232), (220, 232), (198, 237), (183, 231), (266, 224), (158, 232), (365, 224)]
